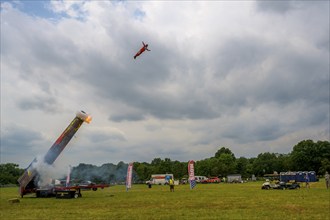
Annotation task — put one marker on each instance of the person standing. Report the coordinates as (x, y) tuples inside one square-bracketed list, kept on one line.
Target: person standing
[(327, 179), (307, 180), (171, 182)]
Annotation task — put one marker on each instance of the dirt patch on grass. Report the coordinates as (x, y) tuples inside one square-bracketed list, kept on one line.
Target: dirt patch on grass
[(293, 208)]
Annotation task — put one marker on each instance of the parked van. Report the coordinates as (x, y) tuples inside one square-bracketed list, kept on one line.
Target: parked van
[(201, 179), (160, 179)]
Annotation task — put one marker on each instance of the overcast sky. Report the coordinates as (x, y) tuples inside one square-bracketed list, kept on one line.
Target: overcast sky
[(249, 76)]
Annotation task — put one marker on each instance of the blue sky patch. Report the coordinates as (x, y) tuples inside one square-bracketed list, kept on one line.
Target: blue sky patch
[(35, 8)]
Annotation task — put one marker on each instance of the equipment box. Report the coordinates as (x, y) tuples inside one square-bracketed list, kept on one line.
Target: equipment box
[(66, 194)]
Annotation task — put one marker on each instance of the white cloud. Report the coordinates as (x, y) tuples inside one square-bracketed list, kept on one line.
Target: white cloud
[(249, 76)]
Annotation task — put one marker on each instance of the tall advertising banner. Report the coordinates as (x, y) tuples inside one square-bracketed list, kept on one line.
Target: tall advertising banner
[(191, 173), (129, 176)]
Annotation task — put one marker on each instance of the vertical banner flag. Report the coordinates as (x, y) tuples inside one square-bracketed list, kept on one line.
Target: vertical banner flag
[(191, 172), (129, 176), (68, 177)]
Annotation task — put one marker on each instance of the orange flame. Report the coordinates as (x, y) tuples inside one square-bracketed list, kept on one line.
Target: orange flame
[(88, 119)]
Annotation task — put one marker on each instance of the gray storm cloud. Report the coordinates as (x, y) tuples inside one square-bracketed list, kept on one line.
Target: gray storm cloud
[(255, 80)]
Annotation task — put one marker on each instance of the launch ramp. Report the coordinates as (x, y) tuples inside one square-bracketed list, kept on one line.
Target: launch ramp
[(27, 181)]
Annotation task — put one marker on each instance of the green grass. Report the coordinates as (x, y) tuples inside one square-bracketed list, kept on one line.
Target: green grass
[(212, 201)]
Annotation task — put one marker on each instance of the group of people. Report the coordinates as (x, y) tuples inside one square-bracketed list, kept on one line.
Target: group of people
[(326, 177)]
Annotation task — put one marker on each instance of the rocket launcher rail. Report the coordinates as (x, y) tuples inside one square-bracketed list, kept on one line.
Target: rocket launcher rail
[(27, 180)]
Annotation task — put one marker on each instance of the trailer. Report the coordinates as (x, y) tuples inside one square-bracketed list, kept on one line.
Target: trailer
[(234, 178), (66, 192), (298, 176)]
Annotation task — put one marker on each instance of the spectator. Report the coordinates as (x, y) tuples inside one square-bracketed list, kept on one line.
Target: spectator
[(327, 179), (171, 184), (307, 180)]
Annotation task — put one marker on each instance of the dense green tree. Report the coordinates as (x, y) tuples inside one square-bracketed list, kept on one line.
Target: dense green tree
[(325, 166), (214, 167), (265, 163), (249, 167), (223, 150), (156, 166), (324, 147), (227, 164), (308, 155), (143, 170), (166, 166), (242, 167), (202, 167), (207, 167), (180, 169), (282, 163), (9, 173), (156, 162)]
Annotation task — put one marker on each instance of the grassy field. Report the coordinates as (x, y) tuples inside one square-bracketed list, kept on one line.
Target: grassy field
[(212, 201)]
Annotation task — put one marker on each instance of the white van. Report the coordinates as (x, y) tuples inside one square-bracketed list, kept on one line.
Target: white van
[(201, 179), (160, 179)]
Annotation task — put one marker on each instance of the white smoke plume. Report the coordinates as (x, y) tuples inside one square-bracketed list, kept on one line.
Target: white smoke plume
[(47, 173)]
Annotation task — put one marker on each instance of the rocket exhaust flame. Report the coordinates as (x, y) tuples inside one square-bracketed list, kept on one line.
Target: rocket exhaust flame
[(88, 119), (83, 116)]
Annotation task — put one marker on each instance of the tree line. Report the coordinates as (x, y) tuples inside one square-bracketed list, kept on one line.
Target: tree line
[(307, 155)]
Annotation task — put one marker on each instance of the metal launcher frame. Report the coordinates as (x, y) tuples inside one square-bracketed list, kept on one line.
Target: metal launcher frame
[(28, 180)]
